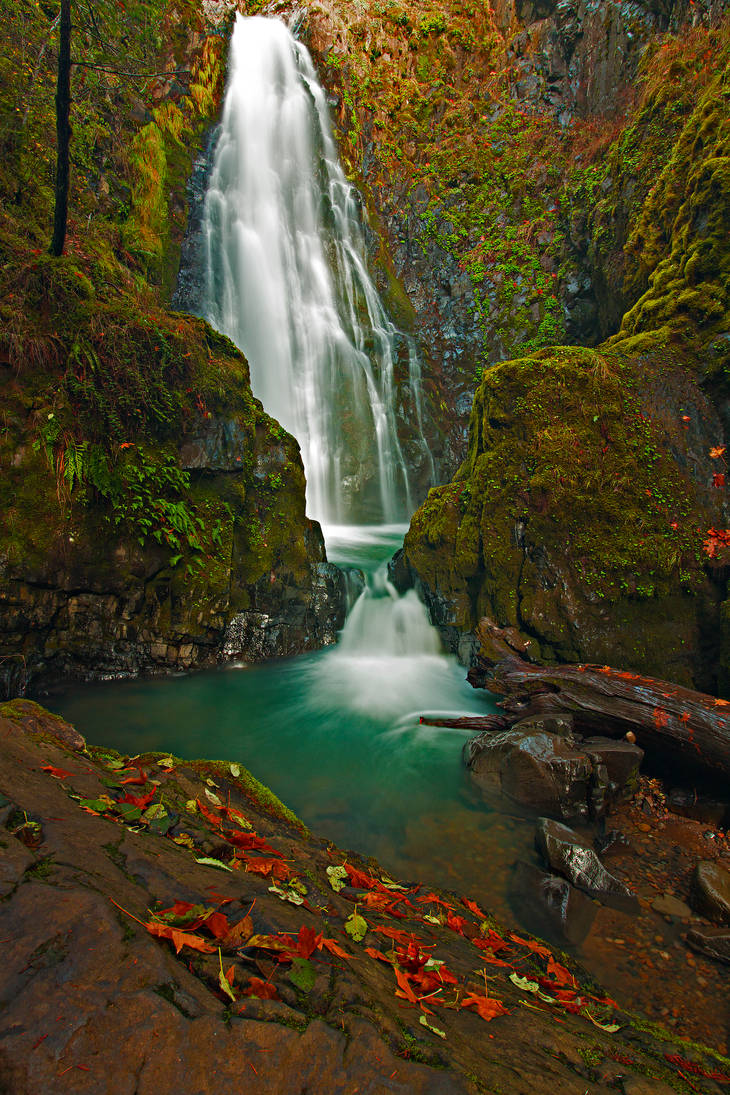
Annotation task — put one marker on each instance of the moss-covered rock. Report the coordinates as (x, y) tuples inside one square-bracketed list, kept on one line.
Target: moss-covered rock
[(579, 513)]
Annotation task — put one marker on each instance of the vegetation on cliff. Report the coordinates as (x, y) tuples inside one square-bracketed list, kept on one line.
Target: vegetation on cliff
[(135, 461), (589, 495), (572, 519)]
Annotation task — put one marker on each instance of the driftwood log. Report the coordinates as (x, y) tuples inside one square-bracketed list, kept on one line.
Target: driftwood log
[(675, 722), (477, 723)]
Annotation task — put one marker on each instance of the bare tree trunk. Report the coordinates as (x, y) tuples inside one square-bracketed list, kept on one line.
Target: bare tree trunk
[(63, 131)]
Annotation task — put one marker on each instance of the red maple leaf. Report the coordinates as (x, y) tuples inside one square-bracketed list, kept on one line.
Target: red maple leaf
[(488, 1009), (179, 938), (57, 773)]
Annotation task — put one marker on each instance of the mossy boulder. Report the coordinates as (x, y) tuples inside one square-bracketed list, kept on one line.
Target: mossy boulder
[(579, 513)]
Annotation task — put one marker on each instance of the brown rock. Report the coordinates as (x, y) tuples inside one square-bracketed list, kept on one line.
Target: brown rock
[(711, 891)]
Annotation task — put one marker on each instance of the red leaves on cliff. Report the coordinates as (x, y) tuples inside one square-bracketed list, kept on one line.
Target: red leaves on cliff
[(486, 1007), (141, 801), (57, 773), (717, 538), (261, 989), (179, 938), (264, 866), (531, 945)]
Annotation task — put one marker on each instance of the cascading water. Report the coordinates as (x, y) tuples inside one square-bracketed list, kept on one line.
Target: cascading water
[(288, 281)]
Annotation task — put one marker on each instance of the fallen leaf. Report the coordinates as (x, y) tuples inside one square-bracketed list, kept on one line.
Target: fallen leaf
[(155, 813), (238, 935), (488, 1009), (249, 842), (391, 885), (531, 945), (211, 818), (337, 876), (235, 815), (57, 773), (223, 982), (217, 924), (141, 801), (335, 948), (261, 989), (308, 942), (433, 899), (289, 895), (373, 952), (235, 770), (208, 861), (398, 935), (138, 780), (178, 938), (356, 926), (610, 1028), (456, 923), (524, 983), (360, 880), (561, 975), (266, 866), (434, 1030), (302, 974), (473, 907), (405, 986), (93, 805)]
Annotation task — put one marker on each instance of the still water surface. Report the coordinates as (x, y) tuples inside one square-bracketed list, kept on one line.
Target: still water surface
[(336, 734)]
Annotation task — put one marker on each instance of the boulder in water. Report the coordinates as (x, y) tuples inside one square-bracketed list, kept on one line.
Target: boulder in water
[(540, 771), (541, 765), (712, 942), (550, 905), (571, 856)]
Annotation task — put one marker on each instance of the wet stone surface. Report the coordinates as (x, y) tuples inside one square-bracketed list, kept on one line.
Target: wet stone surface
[(275, 981)]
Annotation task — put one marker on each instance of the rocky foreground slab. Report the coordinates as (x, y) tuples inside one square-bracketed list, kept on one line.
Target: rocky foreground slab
[(170, 927)]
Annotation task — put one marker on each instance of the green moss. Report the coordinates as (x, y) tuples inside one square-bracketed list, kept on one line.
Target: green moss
[(570, 515), (264, 798)]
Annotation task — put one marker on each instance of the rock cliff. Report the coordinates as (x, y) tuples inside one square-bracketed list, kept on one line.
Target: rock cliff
[(152, 514)]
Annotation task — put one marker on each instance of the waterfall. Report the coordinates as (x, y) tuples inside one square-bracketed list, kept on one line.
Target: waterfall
[(287, 281)]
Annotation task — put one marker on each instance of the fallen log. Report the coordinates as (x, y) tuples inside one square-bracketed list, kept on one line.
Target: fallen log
[(691, 726), (477, 723)]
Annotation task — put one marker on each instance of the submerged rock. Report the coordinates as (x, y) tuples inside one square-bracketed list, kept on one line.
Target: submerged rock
[(713, 942), (710, 893), (668, 905), (550, 905), (571, 856)]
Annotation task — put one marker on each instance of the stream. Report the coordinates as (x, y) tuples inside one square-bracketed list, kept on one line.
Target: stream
[(336, 734)]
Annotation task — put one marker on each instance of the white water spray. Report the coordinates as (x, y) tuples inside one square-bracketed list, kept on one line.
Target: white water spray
[(288, 281)]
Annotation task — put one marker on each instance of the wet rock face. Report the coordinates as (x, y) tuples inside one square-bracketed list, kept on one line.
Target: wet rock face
[(570, 855), (296, 626), (552, 772), (105, 606), (552, 906)]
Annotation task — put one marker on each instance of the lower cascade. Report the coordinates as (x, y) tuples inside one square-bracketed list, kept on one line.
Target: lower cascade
[(287, 281)]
